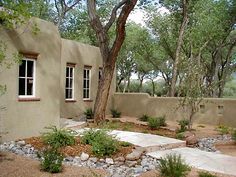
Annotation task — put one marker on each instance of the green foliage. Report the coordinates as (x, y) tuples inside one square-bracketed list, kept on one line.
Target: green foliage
[(57, 138), (234, 134), (51, 161), (173, 166), (153, 123), (183, 123), (115, 113), (162, 120), (102, 143), (205, 174), (180, 135), (144, 118), (124, 144), (223, 129), (89, 113)]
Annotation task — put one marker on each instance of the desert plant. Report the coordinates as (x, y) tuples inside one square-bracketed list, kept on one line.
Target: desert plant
[(115, 113), (183, 123), (205, 174), (162, 120), (180, 135), (102, 143), (124, 144), (234, 134), (89, 113), (153, 123), (173, 166), (57, 138), (223, 129), (144, 118), (51, 161)]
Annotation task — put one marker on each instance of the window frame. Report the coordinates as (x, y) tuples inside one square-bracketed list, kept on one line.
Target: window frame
[(87, 68), (68, 65), (25, 96)]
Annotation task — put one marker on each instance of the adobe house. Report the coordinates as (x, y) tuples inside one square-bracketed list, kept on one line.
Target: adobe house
[(56, 78)]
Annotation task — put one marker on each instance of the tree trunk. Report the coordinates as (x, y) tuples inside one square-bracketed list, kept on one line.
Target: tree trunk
[(153, 88), (178, 49)]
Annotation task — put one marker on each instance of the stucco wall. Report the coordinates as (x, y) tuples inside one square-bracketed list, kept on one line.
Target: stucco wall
[(82, 55), (137, 104), (28, 118)]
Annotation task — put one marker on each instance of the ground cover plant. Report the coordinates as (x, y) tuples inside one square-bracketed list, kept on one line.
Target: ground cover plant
[(173, 166), (144, 118), (223, 129), (183, 123), (205, 174), (89, 113), (115, 113), (153, 123)]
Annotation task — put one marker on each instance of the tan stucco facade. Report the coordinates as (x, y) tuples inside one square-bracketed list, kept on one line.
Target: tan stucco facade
[(23, 118), (213, 111)]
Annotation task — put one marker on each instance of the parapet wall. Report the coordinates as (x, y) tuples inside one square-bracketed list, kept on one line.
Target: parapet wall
[(213, 111)]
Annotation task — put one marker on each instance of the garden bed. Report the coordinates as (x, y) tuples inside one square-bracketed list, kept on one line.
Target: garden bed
[(77, 149)]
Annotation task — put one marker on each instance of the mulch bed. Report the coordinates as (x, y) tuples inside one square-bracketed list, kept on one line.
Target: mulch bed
[(77, 149)]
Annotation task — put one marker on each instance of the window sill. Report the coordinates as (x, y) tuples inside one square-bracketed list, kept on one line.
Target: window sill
[(28, 99), (87, 100), (70, 101)]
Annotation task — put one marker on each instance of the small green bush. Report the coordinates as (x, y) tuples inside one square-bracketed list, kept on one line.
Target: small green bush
[(183, 123), (52, 161), (234, 135), (115, 113), (173, 166), (144, 118), (125, 144), (223, 129), (162, 121), (205, 174), (57, 138), (153, 123), (89, 113), (102, 143), (180, 135)]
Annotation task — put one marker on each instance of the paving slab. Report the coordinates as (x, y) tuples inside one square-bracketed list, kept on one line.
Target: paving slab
[(203, 160), (68, 123), (148, 141)]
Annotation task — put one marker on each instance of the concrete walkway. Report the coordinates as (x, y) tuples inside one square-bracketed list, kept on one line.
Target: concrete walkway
[(70, 123), (202, 160)]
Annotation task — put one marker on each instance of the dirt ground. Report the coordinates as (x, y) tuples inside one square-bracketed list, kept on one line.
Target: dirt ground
[(12, 165)]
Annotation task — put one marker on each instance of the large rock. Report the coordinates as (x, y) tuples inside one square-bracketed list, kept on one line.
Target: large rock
[(191, 141), (120, 159), (135, 155), (84, 156), (109, 161)]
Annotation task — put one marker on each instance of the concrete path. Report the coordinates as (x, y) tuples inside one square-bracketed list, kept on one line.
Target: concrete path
[(148, 141), (203, 160), (68, 123)]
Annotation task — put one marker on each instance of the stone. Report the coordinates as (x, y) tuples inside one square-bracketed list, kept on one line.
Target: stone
[(135, 155), (138, 170), (21, 143), (93, 159), (28, 146), (69, 159), (130, 163), (84, 156), (109, 161), (120, 159), (191, 141)]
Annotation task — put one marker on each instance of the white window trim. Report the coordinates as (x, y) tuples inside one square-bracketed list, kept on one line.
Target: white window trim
[(89, 98), (34, 79), (73, 84)]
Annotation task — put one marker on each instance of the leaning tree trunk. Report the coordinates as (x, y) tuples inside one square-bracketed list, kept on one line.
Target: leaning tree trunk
[(178, 49)]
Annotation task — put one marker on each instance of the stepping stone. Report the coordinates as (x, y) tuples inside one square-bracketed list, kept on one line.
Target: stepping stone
[(203, 160)]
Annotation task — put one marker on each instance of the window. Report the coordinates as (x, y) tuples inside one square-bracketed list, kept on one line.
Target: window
[(69, 88), (86, 84), (220, 110), (27, 78)]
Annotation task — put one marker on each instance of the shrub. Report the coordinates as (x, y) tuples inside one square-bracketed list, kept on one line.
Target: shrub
[(183, 124), (205, 174), (57, 138), (234, 135), (89, 113), (173, 166), (125, 144), (115, 113), (52, 161), (223, 129), (153, 123), (162, 121), (180, 135), (144, 118), (102, 143)]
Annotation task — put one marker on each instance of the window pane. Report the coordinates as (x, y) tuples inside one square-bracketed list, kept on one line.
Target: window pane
[(67, 93), (29, 86), (30, 68), (67, 82), (84, 73), (88, 74), (21, 90), (22, 69), (84, 94), (71, 83), (87, 83), (87, 93), (67, 72), (84, 85), (71, 72)]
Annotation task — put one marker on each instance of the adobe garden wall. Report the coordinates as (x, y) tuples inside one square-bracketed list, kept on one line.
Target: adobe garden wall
[(213, 111)]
